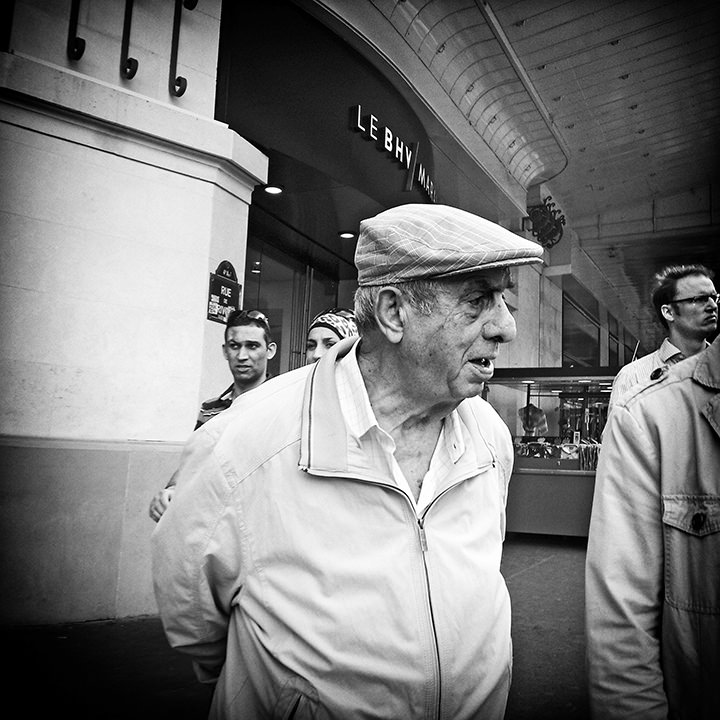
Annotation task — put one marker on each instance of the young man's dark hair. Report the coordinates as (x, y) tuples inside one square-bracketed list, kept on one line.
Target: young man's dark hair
[(240, 318), (665, 283)]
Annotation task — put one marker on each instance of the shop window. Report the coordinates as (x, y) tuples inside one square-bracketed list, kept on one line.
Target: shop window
[(631, 348), (580, 336), (613, 341), (613, 351)]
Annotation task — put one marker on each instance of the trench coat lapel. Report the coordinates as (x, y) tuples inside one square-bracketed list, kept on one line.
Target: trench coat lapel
[(707, 373)]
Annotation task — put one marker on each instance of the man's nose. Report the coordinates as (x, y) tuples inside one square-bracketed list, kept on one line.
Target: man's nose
[(501, 324)]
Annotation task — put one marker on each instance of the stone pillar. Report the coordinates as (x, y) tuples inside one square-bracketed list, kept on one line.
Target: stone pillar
[(118, 199)]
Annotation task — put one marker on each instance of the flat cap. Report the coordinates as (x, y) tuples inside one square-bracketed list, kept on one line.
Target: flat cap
[(416, 241)]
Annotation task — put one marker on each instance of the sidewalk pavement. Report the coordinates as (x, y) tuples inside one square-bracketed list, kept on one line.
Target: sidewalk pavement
[(124, 669)]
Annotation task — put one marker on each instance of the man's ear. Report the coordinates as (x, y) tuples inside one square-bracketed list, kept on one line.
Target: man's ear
[(667, 313), (272, 349), (391, 313)]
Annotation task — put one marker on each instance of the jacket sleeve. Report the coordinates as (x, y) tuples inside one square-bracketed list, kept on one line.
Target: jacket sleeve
[(624, 576), (196, 559)]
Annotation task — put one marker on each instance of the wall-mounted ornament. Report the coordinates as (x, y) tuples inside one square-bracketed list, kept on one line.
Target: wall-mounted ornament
[(546, 222)]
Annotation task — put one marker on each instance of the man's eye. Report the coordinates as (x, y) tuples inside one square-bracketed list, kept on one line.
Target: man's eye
[(479, 300)]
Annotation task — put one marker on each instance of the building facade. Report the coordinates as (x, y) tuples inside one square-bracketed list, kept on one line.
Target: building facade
[(137, 142)]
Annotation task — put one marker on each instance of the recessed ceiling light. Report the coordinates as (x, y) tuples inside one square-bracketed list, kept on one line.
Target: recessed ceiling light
[(346, 235), (273, 189)]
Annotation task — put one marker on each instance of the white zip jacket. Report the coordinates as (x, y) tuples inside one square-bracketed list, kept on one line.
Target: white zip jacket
[(304, 583)]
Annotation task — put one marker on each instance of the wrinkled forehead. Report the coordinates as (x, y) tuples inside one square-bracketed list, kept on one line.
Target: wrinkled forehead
[(496, 279)]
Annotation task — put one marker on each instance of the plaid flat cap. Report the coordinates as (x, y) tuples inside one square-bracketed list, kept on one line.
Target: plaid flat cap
[(416, 241)]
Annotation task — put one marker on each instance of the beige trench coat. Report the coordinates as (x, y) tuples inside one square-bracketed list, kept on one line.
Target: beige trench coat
[(653, 562)]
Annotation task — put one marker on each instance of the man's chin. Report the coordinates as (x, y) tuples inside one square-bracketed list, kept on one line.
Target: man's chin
[(247, 378), (469, 389)]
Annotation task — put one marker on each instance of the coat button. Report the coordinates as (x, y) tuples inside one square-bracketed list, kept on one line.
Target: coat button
[(698, 520)]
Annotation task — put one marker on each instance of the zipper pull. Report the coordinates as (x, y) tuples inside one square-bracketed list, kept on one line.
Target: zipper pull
[(423, 538)]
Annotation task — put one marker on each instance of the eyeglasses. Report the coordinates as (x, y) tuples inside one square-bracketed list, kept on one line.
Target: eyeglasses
[(701, 299)]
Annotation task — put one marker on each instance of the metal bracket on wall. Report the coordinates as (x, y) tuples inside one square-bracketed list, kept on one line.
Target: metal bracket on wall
[(75, 44), (176, 83), (128, 65)]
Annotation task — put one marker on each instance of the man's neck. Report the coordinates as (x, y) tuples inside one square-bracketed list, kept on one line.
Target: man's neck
[(414, 422), (241, 389), (396, 405), (687, 346)]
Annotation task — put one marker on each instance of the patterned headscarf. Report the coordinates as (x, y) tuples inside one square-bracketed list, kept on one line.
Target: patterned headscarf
[(339, 320)]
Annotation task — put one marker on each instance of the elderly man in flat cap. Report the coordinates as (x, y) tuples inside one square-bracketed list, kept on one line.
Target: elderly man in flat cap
[(333, 549)]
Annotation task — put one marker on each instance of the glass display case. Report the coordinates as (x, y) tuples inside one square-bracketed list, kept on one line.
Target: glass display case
[(556, 417)]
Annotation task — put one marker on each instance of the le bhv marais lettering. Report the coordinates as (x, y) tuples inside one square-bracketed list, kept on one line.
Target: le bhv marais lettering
[(386, 140)]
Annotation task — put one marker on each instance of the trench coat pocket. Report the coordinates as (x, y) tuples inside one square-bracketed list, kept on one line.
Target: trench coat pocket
[(691, 530)]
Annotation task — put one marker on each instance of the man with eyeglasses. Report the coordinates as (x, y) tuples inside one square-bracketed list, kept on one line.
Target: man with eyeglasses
[(685, 302), (652, 592), (247, 348)]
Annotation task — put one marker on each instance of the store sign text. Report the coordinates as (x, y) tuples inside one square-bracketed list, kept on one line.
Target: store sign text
[(397, 149)]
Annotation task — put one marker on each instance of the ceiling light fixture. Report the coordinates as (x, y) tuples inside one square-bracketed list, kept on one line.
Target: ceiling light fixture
[(346, 235), (273, 189)]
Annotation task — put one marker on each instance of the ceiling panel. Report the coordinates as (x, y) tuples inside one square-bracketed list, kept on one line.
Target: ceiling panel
[(613, 104)]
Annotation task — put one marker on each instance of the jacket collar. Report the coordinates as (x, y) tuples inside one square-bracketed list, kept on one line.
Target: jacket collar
[(324, 440), (707, 373), (327, 447), (667, 350)]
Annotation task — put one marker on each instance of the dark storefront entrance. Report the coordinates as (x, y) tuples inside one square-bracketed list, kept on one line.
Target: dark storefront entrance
[(343, 145)]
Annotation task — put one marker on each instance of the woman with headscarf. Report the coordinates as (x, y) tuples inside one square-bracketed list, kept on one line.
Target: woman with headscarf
[(326, 329)]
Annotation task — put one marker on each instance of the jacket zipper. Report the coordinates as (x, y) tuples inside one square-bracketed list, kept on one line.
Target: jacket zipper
[(424, 549), (433, 627), (428, 594)]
